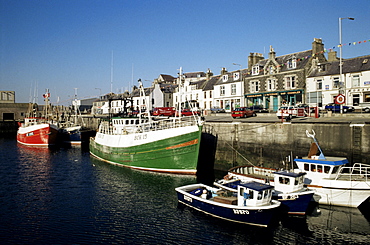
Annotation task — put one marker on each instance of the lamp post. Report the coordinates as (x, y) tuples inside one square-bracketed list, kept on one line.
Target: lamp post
[(341, 89)]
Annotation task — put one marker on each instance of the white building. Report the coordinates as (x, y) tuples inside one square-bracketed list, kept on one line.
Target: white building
[(324, 83), (229, 90)]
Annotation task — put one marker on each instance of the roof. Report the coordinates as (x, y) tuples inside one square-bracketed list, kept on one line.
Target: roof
[(290, 174), (256, 186), (195, 74), (209, 84), (352, 65)]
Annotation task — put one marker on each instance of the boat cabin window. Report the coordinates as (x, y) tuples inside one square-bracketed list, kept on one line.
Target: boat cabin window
[(319, 168), (335, 170), (326, 169), (307, 167), (250, 194), (313, 167), (259, 197), (284, 180)]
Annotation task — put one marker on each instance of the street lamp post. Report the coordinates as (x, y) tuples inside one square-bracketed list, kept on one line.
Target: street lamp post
[(342, 85)]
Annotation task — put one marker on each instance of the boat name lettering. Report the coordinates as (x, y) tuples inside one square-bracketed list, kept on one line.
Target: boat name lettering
[(186, 198), (238, 211), (141, 137)]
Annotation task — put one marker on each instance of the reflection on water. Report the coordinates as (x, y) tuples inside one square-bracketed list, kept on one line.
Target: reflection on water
[(64, 196)]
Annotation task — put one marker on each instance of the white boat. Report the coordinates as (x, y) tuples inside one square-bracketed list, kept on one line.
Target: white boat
[(251, 204), (289, 187), (334, 181)]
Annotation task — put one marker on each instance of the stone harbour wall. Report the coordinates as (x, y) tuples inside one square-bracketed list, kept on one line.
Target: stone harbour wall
[(269, 144)]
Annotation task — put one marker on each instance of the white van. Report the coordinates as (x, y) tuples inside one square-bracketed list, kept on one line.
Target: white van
[(364, 106)]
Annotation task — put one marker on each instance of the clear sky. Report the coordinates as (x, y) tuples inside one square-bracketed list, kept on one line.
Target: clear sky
[(67, 44)]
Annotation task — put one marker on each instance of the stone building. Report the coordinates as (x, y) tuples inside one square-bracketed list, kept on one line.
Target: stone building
[(280, 80)]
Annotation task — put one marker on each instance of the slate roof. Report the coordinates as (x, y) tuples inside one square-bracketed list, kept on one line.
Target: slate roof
[(357, 64), (209, 85), (168, 88), (301, 57), (195, 74)]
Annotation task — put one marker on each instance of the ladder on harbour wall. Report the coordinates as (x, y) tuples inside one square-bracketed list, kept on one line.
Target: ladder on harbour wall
[(357, 143)]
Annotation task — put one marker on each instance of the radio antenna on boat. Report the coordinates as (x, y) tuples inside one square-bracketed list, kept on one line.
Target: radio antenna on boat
[(321, 156)]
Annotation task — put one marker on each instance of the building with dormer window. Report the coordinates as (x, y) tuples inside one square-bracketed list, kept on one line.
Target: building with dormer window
[(228, 90), (323, 83), (279, 80)]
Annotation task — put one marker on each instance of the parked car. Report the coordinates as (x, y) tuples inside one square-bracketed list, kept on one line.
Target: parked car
[(258, 108), (336, 108), (188, 112), (288, 112), (364, 106), (164, 111), (243, 112), (216, 109)]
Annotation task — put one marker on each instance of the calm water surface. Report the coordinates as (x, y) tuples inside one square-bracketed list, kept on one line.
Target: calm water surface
[(64, 196)]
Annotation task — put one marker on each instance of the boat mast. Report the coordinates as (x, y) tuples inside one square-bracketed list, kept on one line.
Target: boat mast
[(146, 103)]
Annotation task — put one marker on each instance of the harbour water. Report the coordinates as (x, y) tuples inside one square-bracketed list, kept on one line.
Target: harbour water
[(65, 196)]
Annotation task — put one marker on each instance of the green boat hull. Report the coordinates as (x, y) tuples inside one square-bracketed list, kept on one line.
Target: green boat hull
[(172, 155)]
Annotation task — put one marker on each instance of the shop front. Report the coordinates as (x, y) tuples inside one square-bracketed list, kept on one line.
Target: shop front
[(273, 100)]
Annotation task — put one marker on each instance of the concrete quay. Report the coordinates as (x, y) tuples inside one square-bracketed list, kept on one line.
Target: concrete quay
[(266, 140)]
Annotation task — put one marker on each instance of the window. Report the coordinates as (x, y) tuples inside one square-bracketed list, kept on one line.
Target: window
[(233, 89), (210, 94), (254, 86), (271, 70), (236, 76), (319, 84), (335, 82), (290, 82), (205, 94), (225, 78), (222, 90), (356, 81), (292, 63), (255, 70), (271, 84)]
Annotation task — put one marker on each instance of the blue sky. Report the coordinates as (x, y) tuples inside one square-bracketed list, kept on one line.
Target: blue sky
[(67, 44)]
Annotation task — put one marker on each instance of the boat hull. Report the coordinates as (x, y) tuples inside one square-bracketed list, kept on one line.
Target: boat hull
[(295, 203), (160, 151), (38, 135), (346, 197), (258, 216)]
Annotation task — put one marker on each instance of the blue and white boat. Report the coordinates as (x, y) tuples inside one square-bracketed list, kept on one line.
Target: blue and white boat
[(333, 179), (251, 204), (288, 186)]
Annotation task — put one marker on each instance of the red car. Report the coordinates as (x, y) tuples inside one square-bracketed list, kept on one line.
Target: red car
[(188, 112), (164, 111), (243, 112)]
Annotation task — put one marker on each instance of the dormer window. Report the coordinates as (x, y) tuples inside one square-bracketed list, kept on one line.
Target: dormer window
[(225, 78), (292, 63), (236, 76), (255, 70)]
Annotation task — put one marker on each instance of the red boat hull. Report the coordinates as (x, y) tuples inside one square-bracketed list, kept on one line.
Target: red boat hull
[(38, 135)]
